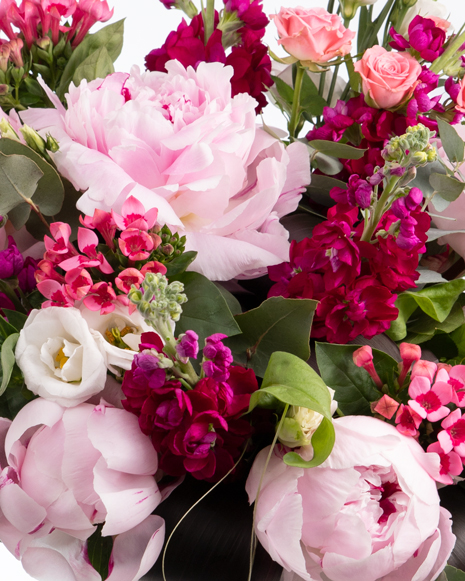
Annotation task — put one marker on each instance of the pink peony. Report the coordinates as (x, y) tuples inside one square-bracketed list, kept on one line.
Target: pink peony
[(388, 78), (179, 142), (68, 470), (370, 512), (312, 34)]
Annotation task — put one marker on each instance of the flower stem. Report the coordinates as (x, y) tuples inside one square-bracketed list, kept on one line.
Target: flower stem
[(209, 19), (295, 115), (379, 209), (333, 85)]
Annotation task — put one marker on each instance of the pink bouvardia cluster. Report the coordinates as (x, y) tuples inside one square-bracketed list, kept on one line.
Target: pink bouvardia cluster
[(248, 57), (66, 470), (200, 430), (48, 14), (356, 282), (433, 408), (66, 275), (192, 151)]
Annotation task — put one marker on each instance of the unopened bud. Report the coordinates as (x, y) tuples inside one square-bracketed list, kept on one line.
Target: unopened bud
[(33, 139), (52, 144), (7, 130), (43, 42)]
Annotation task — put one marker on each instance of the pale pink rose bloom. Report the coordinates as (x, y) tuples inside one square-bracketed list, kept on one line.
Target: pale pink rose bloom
[(312, 34), (67, 470), (178, 142), (388, 77), (370, 512)]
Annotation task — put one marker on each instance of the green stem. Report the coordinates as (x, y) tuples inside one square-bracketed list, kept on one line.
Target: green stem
[(379, 209), (209, 19), (439, 63), (330, 7), (321, 86), (333, 85), (10, 293), (295, 115), (353, 78)]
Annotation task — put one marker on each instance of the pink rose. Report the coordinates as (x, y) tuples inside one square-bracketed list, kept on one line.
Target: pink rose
[(179, 142), (369, 512), (64, 472), (312, 34), (388, 77)]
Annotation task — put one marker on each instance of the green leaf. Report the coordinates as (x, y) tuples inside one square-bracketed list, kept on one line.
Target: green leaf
[(451, 141), (447, 187), (454, 574), (284, 90), (327, 164), (425, 327), (311, 102), (179, 264), (99, 549), (435, 233), (458, 337), (278, 324), (6, 329), (354, 388), (438, 300), (50, 192), (334, 149), (322, 442), (8, 360), (407, 306), (20, 215), (206, 312), (110, 37), (15, 318), (423, 174), (292, 381), (96, 66), (320, 187), (233, 304), (18, 180)]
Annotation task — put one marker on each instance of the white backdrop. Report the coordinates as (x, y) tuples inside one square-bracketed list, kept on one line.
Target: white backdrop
[(147, 25)]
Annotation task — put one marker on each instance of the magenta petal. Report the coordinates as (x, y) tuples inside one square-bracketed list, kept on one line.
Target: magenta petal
[(444, 391), (135, 552)]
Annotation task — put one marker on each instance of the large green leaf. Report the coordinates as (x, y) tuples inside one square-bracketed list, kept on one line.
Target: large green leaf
[(18, 180), (110, 37), (336, 149), (206, 312), (49, 194), (7, 360), (96, 66), (278, 324), (451, 141), (355, 390), (179, 264), (15, 318), (454, 574), (447, 187), (425, 327), (311, 102), (291, 381)]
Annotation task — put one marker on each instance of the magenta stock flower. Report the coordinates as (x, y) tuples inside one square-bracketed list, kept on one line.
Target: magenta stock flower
[(425, 37), (187, 346), (217, 358), (11, 260), (358, 193)]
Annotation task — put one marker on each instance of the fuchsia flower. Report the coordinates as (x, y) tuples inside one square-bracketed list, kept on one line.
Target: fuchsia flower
[(187, 346), (358, 193), (127, 278), (86, 14), (101, 297), (409, 354), (78, 283), (408, 421), (103, 222), (11, 260), (425, 37), (216, 358)]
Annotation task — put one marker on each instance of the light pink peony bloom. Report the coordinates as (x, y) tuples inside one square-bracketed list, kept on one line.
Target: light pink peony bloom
[(66, 470), (370, 512), (178, 142), (312, 34), (388, 78)]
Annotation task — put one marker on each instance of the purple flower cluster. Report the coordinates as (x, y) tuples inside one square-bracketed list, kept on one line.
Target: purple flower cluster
[(13, 264), (424, 37)]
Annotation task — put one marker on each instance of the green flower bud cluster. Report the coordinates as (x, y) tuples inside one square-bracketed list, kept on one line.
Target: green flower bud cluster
[(157, 299), (413, 148), (172, 246)]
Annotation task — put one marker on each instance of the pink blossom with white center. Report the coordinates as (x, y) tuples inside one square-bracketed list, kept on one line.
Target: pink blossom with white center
[(424, 369), (408, 421), (135, 244), (101, 298), (56, 292), (87, 242), (78, 283), (453, 434), (135, 216), (127, 278), (182, 144), (61, 247), (451, 464), (430, 401)]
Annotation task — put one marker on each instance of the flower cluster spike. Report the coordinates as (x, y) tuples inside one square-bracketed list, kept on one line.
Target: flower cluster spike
[(411, 148), (158, 300)]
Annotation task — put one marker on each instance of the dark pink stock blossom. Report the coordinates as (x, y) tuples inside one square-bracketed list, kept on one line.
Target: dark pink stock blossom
[(424, 37)]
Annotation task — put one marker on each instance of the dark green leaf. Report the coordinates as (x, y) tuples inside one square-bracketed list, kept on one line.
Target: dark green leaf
[(233, 304), (7, 359), (99, 550), (320, 187), (20, 215), (442, 346), (322, 442), (15, 318), (335, 149), (454, 574), (447, 187), (311, 102), (278, 324), (327, 164), (96, 66), (50, 192), (206, 312), (425, 327), (438, 300), (451, 141), (179, 264), (6, 329), (458, 337), (284, 90), (407, 306), (354, 387), (18, 180), (110, 37)]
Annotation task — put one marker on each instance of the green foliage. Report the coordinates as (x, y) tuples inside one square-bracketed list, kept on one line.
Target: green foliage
[(453, 574), (354, 388), (94, 56), (292, 381), (19, 177), (311, 102), (278, 324), (424, 327), (179, 264), (99, 550), (451, 141), (448, 190), (206, 311), (336, 149), (7, 360)]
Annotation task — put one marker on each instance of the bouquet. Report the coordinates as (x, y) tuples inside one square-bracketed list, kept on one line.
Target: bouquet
[(190, 295)]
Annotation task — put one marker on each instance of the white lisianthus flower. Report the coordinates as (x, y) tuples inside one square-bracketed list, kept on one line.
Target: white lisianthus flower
[(60, 359), (424, 8)]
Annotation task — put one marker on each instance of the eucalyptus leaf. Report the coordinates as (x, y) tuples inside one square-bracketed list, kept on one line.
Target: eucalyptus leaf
[(440, 204), (327, 164), (336, 149), (448, 187), (6, 329), (206, 311), (20, 215), (19, 177), (421, 180), (451, 141), (355, 390), (8, 360), (454, 574), (278, 324), (429, 277), (96, 66), (435, 233), (110, 37), (320, 187)]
